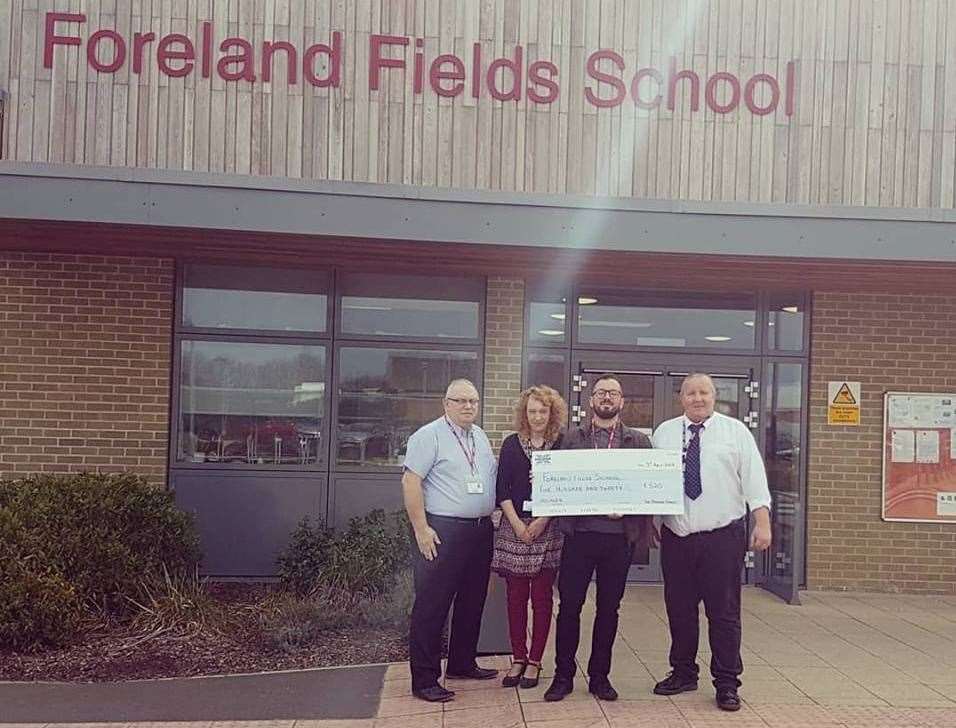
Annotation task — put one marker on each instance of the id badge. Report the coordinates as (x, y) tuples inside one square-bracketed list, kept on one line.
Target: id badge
[(474, 486), (526, 506)]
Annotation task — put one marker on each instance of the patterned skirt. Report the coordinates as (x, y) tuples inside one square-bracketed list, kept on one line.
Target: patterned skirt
[(514, 557)]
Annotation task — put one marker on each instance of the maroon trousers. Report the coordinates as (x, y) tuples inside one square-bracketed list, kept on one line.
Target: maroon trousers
[(539, 589)]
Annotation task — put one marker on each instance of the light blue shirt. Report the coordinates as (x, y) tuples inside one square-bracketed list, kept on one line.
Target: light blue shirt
[(437, 457)]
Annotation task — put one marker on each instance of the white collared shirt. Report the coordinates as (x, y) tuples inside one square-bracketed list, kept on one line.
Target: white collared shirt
[(732, 473)]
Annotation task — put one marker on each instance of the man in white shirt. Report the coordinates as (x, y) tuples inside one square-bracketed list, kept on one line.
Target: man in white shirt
[(702, 551)]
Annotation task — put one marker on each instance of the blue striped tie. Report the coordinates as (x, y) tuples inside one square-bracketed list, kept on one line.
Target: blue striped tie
[(692, 486)]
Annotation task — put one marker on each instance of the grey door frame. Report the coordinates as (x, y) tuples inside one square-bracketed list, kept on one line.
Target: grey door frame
[(666, 368)]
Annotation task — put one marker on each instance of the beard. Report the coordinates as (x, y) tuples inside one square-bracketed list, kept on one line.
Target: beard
[(607, 410)]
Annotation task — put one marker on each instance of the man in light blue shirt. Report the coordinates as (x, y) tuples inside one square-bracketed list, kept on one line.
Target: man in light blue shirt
[(449, 492)]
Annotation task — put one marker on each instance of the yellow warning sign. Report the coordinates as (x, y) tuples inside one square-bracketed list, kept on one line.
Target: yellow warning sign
[(843, 403), (844, 395)]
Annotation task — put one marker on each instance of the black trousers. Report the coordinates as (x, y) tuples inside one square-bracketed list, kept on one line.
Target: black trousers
[(459, 576), (705, 566), (586, 553)]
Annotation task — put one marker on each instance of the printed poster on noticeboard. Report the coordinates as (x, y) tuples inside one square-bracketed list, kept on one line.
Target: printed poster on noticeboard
[(919, 457)]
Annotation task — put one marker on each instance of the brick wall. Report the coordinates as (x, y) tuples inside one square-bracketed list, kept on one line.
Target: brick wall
[(503, 348), (886, 342), (84, 363)]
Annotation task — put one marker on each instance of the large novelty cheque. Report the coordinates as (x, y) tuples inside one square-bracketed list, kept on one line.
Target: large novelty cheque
[(601, 482)]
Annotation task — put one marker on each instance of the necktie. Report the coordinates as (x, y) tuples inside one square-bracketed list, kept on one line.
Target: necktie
[(692, 486)]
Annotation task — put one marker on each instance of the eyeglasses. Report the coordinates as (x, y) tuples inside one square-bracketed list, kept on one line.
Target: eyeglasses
[(461, 401), (607, 394)]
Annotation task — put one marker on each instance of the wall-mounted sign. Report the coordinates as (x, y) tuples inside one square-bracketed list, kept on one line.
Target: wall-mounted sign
[(608, 80), (843, 403), (919, 457)]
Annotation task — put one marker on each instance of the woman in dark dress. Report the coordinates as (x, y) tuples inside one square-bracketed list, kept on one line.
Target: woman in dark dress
[(527, 549)]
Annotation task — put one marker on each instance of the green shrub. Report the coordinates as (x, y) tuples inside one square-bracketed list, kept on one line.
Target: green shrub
[(36, 607), (289, 621), (391, 609), (84, 542), (363, 560)]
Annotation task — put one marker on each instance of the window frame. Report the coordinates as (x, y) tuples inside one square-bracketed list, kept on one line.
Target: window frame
[(340, 286), (335, 399), (181, 327), (175, 430)]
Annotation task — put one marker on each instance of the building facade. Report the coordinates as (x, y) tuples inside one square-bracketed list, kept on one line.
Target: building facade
[(245, 245)]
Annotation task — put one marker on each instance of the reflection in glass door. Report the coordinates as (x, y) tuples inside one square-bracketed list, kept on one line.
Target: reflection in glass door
[(651, 391), (783, 567)]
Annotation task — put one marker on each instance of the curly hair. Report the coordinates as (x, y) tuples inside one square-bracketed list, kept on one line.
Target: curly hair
[(549, 397)]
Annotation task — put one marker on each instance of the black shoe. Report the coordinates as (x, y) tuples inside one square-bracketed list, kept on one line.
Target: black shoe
[(602, 689), (559, 689), (530, 682), (727, 699), (674, 683), (475, 673), (434, 694), (512, 679)]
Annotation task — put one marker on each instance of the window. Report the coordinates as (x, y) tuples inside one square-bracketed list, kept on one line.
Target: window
[(785, 324), (252, 403), (377, 305), (547, 367), (667, 319), (264, 299), (385, 394)]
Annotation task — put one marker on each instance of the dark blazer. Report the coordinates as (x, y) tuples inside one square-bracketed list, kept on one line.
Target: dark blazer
[(579, 438)]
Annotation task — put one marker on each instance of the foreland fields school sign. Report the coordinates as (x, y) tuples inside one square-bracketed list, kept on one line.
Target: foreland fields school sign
[(609, 82)]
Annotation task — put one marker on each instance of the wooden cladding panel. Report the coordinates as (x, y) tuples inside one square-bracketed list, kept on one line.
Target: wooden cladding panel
[(874, 121)]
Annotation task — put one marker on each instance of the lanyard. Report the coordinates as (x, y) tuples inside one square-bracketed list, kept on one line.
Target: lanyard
[(610, 438), (471, 457)]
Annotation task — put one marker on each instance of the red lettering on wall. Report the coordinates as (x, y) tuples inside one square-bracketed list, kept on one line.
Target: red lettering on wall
[(119, 51), (672, 86), (475, 70), (620, 90), (651, 73), (269, 49), (206, 49), (334, 55), (710, 92), (245, 61), (419, 66), (457, 73), (515, 66), (139, 43), (536, 79), (749, 94), (375, 60), (165, 54), (51, 39)]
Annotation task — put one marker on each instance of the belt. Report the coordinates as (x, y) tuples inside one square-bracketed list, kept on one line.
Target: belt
[(474, 521)]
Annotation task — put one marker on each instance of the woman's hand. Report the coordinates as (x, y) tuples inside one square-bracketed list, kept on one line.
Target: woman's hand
[(524, 534), (536, 528)]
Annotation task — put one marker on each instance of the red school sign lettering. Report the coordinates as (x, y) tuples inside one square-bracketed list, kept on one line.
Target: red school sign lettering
[(608, 84)]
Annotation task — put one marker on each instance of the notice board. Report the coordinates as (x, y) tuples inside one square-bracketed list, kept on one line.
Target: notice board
[(919, 457)]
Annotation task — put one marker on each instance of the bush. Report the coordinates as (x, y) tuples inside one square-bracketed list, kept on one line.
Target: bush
[(290, 621), (361, 561), (393, 608), (83, 543)]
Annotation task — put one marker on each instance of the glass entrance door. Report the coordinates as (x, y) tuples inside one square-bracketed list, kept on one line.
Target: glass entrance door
[(651, 386)]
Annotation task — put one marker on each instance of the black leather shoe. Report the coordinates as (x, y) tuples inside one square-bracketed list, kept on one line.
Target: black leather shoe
[(559, 689), (434, 694), (530, 682), (674, 684), (475, 673), (727, 699), (515, 674), (602, 689)]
